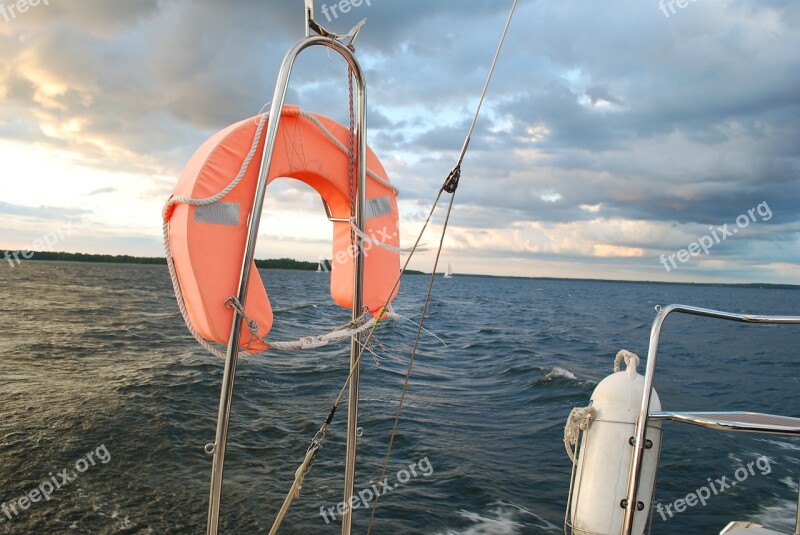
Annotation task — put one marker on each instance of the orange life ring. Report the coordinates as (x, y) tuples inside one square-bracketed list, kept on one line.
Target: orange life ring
[(207, 243)]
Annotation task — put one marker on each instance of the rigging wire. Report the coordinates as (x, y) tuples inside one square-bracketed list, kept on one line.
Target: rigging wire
[(450, 186), (319, 437)]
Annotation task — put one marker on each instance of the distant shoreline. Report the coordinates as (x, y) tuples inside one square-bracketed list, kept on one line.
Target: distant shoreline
[(299, 265), (47, 256)]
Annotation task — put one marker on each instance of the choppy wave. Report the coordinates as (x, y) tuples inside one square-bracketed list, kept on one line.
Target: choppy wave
[(779, 515), (559, 373), (98, 354), (502, 519)]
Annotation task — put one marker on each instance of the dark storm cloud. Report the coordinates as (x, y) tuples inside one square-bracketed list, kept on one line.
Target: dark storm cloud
[(606, 111)]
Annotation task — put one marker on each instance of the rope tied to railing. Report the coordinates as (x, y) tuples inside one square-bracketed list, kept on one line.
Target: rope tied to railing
[(304, 343), (299, 476), (579, 419), (351, 328), (374, 241)]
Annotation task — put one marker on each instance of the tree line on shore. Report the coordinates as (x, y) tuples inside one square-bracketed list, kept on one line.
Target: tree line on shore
[(272, 263)]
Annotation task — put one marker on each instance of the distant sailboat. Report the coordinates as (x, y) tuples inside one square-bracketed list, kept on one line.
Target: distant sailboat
[(449, 273)]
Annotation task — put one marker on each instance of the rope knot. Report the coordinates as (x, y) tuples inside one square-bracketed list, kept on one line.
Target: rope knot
[(631, 362), (252, 325), (579, 419)]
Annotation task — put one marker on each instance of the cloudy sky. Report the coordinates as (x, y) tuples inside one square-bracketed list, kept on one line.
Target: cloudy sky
[(614, 132)]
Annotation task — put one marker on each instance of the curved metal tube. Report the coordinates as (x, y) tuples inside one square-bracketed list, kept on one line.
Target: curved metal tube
[(652, 354), (231, 358)]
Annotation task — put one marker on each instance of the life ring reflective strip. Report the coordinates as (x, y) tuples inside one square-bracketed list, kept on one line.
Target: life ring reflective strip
[(208, 242)]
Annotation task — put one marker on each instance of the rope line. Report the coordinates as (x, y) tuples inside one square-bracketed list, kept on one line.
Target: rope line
[(307, 342), (176, 286), (365, 237), (450, 186), (297, 485), (631, 361), (386, 312), (351, 154), (579, 419), (352, 328), (377, 178), (407, 380)]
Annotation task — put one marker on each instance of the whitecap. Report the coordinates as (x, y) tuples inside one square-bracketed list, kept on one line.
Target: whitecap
[(560, 372), (503, 519), (779, 515)]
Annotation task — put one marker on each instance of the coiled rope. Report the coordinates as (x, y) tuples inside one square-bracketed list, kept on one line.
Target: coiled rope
[(579, 419)]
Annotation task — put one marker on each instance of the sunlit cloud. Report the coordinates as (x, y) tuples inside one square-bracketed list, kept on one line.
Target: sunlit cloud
[(600, 146)]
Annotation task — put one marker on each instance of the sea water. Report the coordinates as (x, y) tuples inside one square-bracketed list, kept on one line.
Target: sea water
[(106, 398)]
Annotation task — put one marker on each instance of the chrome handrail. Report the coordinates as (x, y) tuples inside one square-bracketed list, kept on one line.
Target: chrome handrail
[(641, 422), (231, 358), (733, 421)]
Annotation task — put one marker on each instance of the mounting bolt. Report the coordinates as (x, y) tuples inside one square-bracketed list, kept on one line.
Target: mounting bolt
[(210, 448), (648, 444), (624, 503)]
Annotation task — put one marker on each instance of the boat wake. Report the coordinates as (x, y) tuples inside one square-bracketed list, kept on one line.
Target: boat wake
[(778, 515), (504, 519)]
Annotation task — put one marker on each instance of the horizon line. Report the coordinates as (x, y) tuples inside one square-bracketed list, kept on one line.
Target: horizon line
[(156, 260)]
